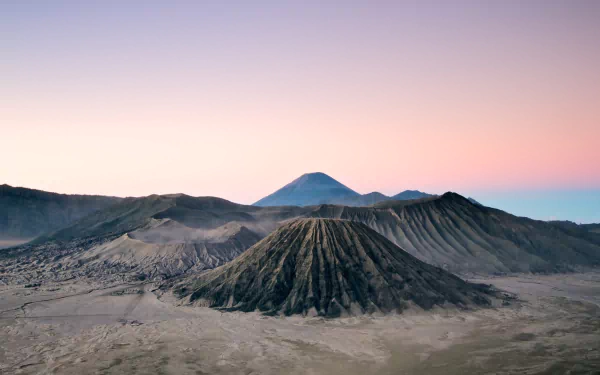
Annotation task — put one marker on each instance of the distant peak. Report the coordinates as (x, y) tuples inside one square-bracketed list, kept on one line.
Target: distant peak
[(308, 189), (450, 195), (374, 193), (315, 176), (411, 194)]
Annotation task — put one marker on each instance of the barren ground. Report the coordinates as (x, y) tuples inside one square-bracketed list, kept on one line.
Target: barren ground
[(80, 328)]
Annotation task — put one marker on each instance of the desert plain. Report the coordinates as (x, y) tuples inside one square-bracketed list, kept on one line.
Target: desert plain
[(549, 324)]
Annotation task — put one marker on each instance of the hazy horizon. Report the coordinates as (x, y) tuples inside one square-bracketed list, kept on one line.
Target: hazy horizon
[(494, 100)]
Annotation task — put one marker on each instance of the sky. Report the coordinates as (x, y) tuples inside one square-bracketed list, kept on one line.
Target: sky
[(499, 100)]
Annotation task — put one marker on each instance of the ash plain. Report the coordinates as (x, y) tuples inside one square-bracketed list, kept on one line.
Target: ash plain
[(552, 326)]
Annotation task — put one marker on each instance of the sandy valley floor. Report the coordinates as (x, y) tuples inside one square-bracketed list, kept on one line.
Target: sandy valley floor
[(72, 328)]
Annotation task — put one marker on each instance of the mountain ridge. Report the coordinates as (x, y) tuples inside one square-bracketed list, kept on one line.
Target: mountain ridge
[(451, 232), (28, 213)]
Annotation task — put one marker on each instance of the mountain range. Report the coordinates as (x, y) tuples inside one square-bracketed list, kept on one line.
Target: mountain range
[(28, 213), (162, 236), (318, 188)]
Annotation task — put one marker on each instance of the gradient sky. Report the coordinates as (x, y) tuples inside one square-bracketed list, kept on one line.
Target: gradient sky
[(497, 100)]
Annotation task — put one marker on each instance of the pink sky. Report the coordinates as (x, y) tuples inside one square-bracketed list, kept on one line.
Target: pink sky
[(236, 101)]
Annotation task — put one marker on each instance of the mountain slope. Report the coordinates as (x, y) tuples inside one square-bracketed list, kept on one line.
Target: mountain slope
[(28, 213), (410, 195), (375, 198), (588, 232), (308, 189), (166, 248), (360, 200), (330, 268), (451, 232), (129, 214), (133, 213), (472, 200), (159, 236)]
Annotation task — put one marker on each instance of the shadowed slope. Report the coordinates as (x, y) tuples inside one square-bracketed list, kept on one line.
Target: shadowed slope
[(28, 213), (592, 227), (330, 268), (133, 213), (451, 232), (158, 236)]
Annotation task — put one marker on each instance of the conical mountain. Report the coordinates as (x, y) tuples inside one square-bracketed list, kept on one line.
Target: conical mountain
[(328, 267), (308, 189)]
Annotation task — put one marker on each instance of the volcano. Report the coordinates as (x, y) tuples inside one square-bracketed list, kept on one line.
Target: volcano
[(309, 189), (328, 267)]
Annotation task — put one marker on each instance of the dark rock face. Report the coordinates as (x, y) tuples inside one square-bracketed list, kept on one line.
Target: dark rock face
[(28, 213), (329, 268), (592, 227)]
